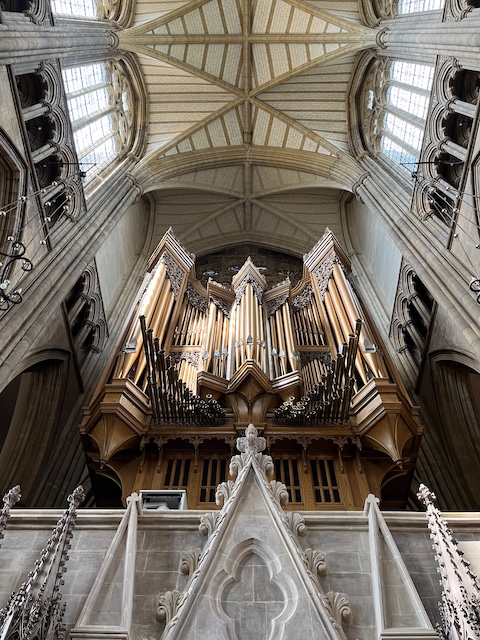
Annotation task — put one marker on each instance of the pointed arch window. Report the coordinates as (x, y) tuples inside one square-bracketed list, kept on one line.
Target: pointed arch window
[(416, 6), (396, 102), (75, 8), (100, 107)]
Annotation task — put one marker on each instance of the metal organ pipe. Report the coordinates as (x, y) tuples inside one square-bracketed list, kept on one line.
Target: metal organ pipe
[(374, 362), (328, 402), (172, 401)]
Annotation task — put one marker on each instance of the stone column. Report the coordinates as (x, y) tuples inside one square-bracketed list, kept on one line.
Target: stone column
[(23, 43), (34, 111), (463, 108), (446, 278), (454, 149), (424, 36), (44, 152)]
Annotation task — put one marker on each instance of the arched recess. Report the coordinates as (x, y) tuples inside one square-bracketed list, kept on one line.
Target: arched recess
[(30, 407), (253, 562), (107, 488), (342, 172), (456, 381), (107, 110), (13, 175)]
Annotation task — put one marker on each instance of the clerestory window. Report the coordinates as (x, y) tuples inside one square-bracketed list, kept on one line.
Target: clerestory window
[(396, 110), (100, 108), (416, 6), (75, 8)]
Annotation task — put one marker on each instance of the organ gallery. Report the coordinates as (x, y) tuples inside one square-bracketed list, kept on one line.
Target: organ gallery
[(300, 360)]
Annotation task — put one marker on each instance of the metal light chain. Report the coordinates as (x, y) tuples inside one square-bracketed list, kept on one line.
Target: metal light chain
[(475, 287), (16, 253)]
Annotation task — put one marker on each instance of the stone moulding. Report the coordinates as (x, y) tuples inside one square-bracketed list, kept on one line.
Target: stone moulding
[(123, 548), (231, 574), (386, 562)]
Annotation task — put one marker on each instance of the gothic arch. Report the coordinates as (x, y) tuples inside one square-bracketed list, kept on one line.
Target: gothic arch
[(277, 581), (456, 383), (13, 172), (154, 170), (32, 402)]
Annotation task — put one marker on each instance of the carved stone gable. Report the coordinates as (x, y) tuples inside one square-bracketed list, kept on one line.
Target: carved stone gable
[(252, 563)]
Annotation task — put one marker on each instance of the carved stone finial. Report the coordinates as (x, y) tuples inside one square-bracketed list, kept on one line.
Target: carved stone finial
[(9, 499), (459, 608), (425, 495), (12, 496), (37, 604), (77, 496), (251, 446), (251, 443)]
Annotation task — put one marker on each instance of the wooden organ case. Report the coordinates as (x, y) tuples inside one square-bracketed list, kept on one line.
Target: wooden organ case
[(303, 364)]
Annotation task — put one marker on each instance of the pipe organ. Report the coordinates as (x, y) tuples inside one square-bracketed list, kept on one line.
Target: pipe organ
[(303, 363)]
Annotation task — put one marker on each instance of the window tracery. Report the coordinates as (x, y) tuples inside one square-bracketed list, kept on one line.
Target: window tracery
[(417, 6), (100, 105), (80, 8), (395, 105), (90, 9), (375, 11)]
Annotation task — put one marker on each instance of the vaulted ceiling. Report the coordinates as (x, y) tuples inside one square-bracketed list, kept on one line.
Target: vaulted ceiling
[(247, 128)]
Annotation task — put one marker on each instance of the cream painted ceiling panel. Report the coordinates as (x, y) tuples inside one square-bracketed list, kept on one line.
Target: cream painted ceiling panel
[(228, 222), (275, 179), (265, 221), (226, 130), (345, 8), (250, 74), (316, 99), (312, 209), (223, 180), (177, 100), (200, 218), (146, 10)]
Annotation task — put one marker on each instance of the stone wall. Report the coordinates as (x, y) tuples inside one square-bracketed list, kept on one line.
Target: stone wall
[(161, 537)]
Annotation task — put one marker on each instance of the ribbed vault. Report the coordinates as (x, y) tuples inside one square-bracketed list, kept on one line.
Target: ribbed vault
[(247, 109)]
